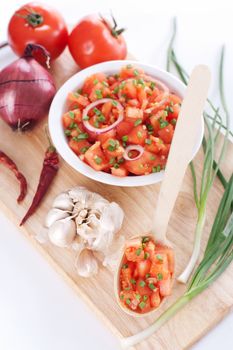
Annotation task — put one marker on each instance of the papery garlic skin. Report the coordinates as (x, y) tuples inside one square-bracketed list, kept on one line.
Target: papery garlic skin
[(86, 264), (54, 215), (62, 233)]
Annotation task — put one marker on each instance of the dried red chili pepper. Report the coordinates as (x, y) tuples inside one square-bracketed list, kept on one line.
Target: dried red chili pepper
[(8, 162), (48, 172)]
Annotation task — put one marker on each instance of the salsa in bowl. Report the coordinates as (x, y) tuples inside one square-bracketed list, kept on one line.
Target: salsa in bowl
[(117, 120)]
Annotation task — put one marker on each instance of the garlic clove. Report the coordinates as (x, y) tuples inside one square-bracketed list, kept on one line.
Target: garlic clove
[(54, 215), (62, 232), (86, 264), (63, 202)]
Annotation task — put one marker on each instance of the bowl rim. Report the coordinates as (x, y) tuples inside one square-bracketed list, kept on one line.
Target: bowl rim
[(59, 139)]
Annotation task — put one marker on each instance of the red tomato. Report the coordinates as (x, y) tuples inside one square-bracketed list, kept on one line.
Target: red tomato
[(138, 135), (143, 267), (38, 24), (90, 82), (155, 299), (124, 128), (121, 171), (143, 165), (165, 287), (166, 134), (79, 147), (142, 287), (95, 157), (93, 40), (106, 135), (133, 114)]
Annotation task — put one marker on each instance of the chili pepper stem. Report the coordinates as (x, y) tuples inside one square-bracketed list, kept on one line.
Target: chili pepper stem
[(167, 315)]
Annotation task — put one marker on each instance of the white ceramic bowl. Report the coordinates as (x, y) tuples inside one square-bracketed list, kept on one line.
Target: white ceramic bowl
[(58, 107)]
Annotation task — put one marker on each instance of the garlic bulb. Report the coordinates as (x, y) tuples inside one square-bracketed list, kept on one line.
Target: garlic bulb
[(63, 202), (86, 223), (62, 232), (55, 215), (86, 264)]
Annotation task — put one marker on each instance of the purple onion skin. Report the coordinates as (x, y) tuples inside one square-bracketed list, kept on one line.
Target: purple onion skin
[(26, 92)]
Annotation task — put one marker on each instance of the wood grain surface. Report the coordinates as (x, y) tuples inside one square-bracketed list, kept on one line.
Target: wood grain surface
[(195, 319)]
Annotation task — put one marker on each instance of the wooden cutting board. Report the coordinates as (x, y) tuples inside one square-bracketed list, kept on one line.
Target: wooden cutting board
[(195, 319)]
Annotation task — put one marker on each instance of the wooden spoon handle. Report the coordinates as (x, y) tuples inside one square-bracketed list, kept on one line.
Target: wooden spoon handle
[(185, 137)]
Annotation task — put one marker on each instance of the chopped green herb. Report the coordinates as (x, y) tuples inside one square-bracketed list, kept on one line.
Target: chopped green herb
[(98, 160), (173, 121), (71, 114), (142, 305), (96, 124), (140, 82), (162, 123), (159, 257), (76, 94), (128, 301), (133, 281), (149, 127), (152, 286), (147, 275), (116, 90), (152, 85), (97, 111), (73, 125), (158, 168), (138, 122), (125, 266), (124, 144), (142, 284), (125, 138), (98, 93), (165, 113), (145, 297), (148, 141), (82, 136), (86, 117), (139, 134), (135, 72), (67, 132), (122, 85), (116, 166), (154, 169), (127, 288), (112, 160), (114, 103), (104, 83), (159, 276), (152, 157), (146, 255), (84, 149), (138, 296), (138, 251), (122, 296), (120, 161), (101, 118), (95, 81), (113, 145), (145, 239)]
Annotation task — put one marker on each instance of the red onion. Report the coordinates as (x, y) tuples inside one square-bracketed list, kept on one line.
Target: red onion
[(90, 127), (138, 148), (26, 90)]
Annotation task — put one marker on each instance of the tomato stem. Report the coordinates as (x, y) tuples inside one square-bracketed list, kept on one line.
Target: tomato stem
[(33, 18)]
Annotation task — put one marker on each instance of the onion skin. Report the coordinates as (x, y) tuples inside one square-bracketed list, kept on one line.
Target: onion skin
[(26, 92)]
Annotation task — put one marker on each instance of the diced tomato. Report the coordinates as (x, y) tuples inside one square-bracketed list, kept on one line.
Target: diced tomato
[(129, 298), (142, 287), (106, 135), (99, 91), (174, 99), (91, 81), (166, 134), (154, 144), (112, 148), (145, 307), (138, 135), (155, 299), (79, 147), (143, 165), (134, 254), (124, 128), (142, 97), (159, 270), (175, 113), (170, 256), (95, 157), (76, 98), (130, 72), (165, 286), (129, 89), (121, 171), (143, 267), (106, 109), (133, 114), (165, 148)]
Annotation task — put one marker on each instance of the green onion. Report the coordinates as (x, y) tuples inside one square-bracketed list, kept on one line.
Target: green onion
[(82, 136), (217, 257), (147, 275), (148, 141), (86, 117), (159, 276), (138, 296), (128, 301), (142, 305), (145, 239), (152, 286), (133, 281), (159, 257), (98, 94), (138, 251), (71, 114), (135, 72), (139, 134), (125, 266), (98, 160), (142, 284), (116, 90), (95, 81), (67, 132), (138, 122), (84, 149), (125, 138), (146, 255), (114, 103), (145, 297)]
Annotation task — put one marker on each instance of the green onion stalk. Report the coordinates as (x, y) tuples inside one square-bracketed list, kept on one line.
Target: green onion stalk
[(217, 257), (211, 167)]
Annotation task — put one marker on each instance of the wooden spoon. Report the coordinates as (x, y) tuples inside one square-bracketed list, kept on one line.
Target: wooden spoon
[(187, 127)]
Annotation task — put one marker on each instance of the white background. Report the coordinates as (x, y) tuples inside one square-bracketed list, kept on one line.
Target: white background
[(38, 311)]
